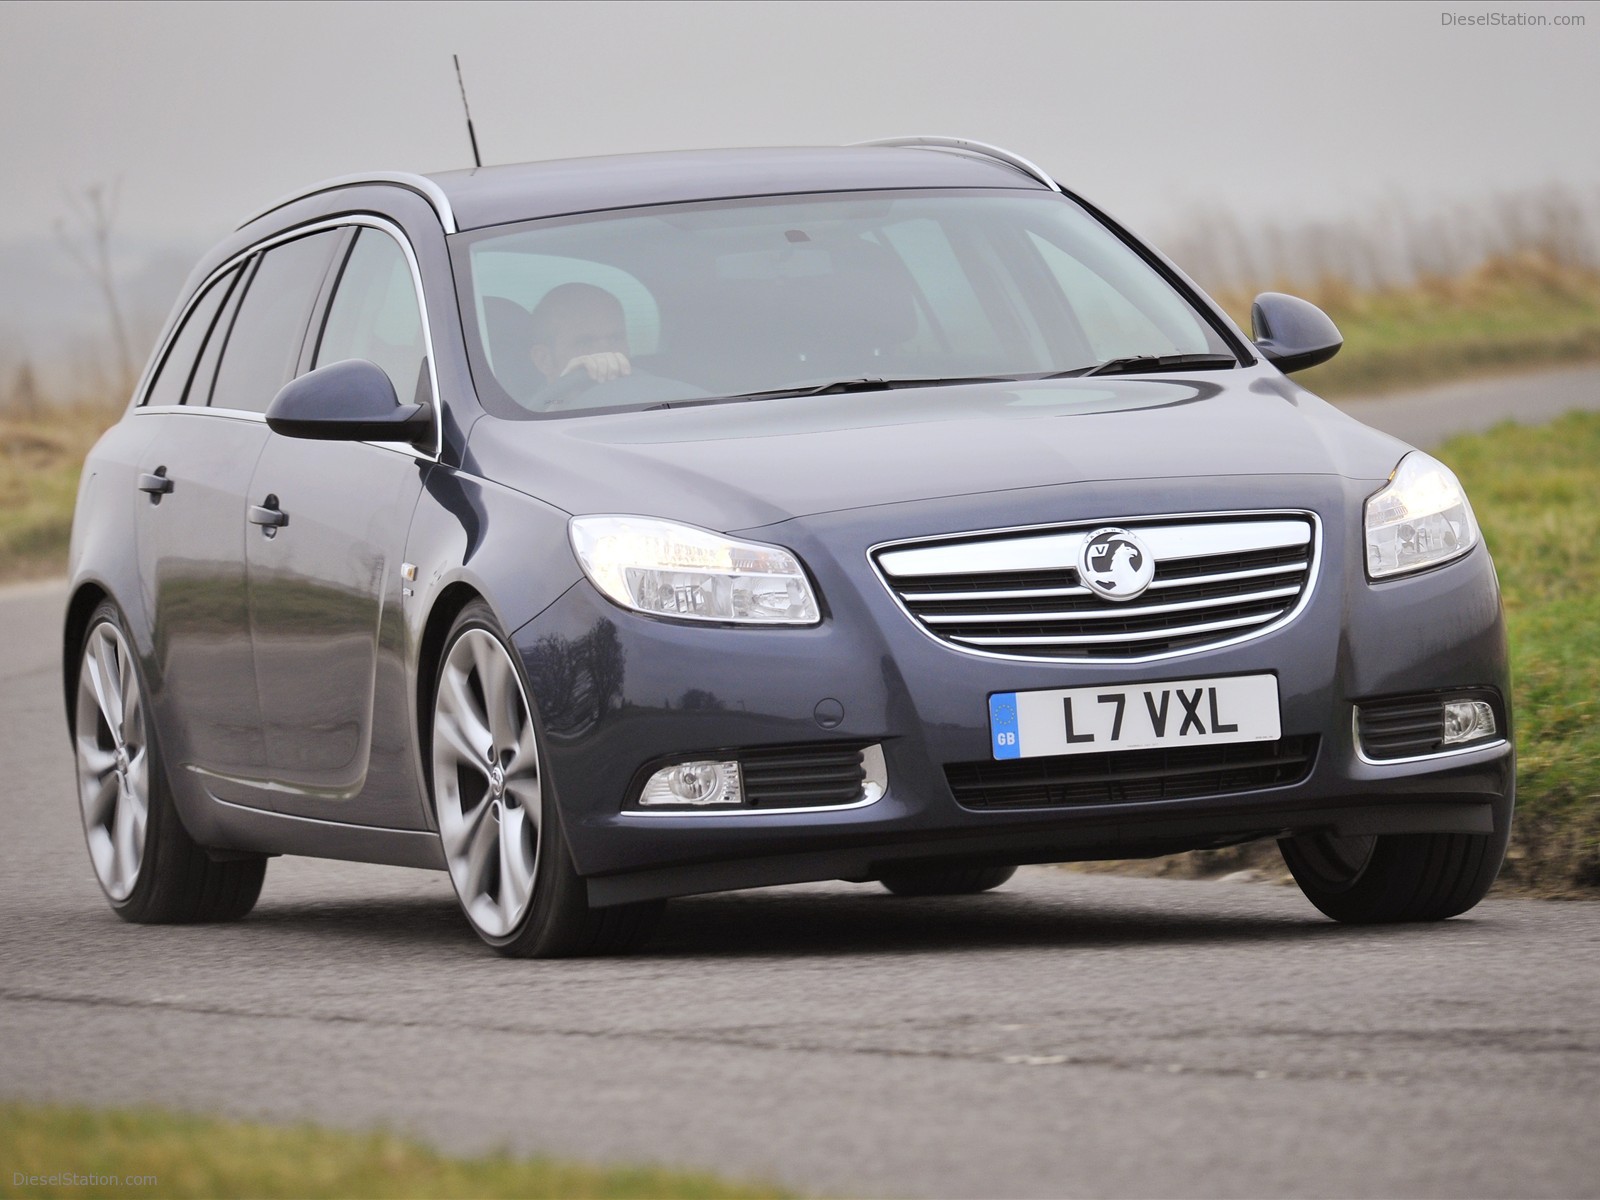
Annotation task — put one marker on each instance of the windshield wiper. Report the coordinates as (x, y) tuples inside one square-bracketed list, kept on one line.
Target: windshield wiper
[(839, 387), (1139, 364)]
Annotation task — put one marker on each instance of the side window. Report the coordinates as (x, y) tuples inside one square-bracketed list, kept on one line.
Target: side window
[(509, 285), (172, 377), (374, 315), (265, 342)]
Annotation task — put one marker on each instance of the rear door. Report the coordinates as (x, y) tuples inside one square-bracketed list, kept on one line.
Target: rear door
[(235, 349), (325, 588)]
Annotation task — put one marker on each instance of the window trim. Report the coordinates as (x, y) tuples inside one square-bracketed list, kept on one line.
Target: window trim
[(317, 317), (222, 330), (318, 320), (228, 287)]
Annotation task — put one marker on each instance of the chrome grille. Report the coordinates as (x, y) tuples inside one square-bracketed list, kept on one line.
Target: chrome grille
[(1017, 594)]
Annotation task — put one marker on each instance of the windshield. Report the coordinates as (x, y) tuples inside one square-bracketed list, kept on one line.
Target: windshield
[(739, 299)]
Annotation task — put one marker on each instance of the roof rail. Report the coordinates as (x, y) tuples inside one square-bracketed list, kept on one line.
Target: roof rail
[(421, 184), (982, 149)]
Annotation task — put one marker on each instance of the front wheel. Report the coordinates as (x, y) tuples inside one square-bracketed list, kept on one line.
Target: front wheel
[(498, 820), (1394, 877)]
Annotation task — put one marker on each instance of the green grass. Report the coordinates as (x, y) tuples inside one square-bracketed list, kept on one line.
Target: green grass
[(196, 1157), (1536, 490)]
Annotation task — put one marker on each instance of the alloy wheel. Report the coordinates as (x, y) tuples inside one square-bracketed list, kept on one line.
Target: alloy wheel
[(113, 760), (486, 782)]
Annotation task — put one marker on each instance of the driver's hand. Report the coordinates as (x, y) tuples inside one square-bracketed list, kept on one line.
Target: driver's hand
[(603, 367)]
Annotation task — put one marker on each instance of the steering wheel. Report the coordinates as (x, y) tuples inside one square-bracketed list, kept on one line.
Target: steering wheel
[(570, 385), (641, 387)]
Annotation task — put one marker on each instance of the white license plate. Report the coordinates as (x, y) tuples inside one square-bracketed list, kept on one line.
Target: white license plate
[(1093, 720)]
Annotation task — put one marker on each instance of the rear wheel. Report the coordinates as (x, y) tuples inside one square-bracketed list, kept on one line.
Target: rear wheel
[(945, 879), (498, 820), (1394, 877), (149, 867)]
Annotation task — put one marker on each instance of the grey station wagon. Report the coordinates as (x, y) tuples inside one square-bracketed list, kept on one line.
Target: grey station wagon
[(615, 529)]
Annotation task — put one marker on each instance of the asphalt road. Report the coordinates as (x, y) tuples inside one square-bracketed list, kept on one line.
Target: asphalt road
[(1067, 1035), (1427, 416)]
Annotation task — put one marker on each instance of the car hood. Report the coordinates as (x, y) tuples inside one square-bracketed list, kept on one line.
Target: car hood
[(743, 465)]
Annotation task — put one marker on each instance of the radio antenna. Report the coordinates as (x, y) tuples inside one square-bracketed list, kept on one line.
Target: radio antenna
[(477, 159)]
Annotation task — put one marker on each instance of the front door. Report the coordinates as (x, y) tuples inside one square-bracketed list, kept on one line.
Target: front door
[(325, 586)]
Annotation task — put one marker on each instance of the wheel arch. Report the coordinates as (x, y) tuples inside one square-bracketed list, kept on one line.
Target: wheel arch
[(446, 608), (80, 607)]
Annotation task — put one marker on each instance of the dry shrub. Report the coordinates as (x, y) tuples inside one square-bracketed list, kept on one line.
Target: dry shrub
[(1550, 232)]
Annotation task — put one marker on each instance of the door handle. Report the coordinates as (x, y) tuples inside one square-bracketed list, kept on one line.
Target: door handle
[(269, 516), (156, 483)]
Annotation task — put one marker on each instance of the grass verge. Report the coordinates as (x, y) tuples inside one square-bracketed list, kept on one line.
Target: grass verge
[(146, 1154), (41, 454), (1536, 490)]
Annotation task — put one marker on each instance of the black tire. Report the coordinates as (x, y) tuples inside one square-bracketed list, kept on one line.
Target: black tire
[(1395, 878), (562, 925), (175, 881), (557, 921), (945, 879)]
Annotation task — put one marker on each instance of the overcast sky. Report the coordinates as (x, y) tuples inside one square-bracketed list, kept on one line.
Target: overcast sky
[(206, 111)]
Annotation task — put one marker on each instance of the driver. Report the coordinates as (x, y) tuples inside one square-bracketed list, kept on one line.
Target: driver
[(580, 327)]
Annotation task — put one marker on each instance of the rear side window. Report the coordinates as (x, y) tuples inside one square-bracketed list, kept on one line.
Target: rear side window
[(374, 315), (205, 371), (264, 344), (172, 377)]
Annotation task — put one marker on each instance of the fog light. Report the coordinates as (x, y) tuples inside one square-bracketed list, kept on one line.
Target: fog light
[(694, 783), (1467, 721)]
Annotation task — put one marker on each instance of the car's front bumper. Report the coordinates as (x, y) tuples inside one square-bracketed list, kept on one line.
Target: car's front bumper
[(618, 692)]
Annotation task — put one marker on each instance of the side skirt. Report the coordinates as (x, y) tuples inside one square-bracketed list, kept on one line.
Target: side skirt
[(252, 829)]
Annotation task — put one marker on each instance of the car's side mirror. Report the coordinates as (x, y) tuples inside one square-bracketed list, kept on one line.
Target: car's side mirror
[(1292, 334), (350, 401)]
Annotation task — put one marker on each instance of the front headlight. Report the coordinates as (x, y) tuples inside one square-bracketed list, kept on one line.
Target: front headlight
[(1420, 519), (671, 570)]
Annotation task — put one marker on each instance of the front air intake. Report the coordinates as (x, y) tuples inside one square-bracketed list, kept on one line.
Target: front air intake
[(1400, 727), (1131, 776)]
